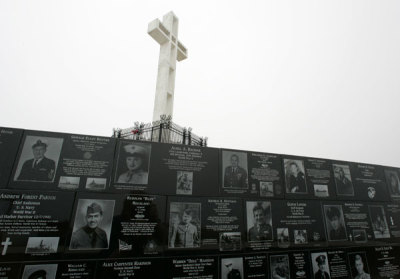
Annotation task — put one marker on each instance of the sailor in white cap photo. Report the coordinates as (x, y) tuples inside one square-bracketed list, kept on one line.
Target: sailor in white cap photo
[(135, 165)]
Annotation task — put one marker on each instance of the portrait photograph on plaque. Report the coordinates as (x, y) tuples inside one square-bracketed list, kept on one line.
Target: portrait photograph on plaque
[(39, 271), (320, 265), (139, 228), (232, 267), (235, 171), (298, 223), (393, 182), (334, 222), (9, 143), (184, 225), (57, 161), (343, 180), (138, 268), (279, 266), (295, 179), (359, 265), (259, 224), (191, 267), (332, 264), (92, 224), (34, 225), (290, 265), (370, 183), (379, 222)]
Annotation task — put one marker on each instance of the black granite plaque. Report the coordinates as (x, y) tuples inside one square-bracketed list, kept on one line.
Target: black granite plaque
[(347, 222), (139, 229), (167, 169), (33, 225), (298, 223), (192, 267), (370, 183), (9, 143), (243, 266), (131, 268), (10, 270), (251, 174), (293, 264), (76, 270), (331, 264), (393, 219), (319, 177), (92, 223), (392, 176), (384, 262), (358, 263), (205, 224), (63, 161)]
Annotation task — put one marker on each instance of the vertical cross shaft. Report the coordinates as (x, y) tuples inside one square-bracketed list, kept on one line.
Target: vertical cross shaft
[(166, 34)]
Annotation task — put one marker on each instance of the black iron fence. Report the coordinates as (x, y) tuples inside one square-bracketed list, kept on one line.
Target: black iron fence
[(163, 130)]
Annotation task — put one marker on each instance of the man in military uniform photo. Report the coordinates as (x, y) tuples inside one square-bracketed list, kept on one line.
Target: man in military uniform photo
[(40, 168), (135, 165), (184, 234), (343, 184), (233, 273), (261, 231), (235, 176), (337, 232), (90, 236), (322, 268)]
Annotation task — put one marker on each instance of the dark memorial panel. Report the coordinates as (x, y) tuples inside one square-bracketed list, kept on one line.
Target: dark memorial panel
[(76, 270), (139, 229), (33, 225), (131, 269), (347, 223), (393, 218), (192, 267), (250, 174), (370, 183), (9, 143), (392, 176), (166, 169), (384, 262), (10, 270), (204, 224), (308, 178), (298, 223), (243, 266), (39, 270), (58, 161), (294, 264), (330, 264)]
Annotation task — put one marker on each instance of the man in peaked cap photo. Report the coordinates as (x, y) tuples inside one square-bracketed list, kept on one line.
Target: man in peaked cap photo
[(322, 268), (40, 168), (90, 236), (233, 273), (136, 164)]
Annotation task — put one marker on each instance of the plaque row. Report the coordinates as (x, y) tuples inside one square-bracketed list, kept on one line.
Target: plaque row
[(42, 225), (376, 262), (35, 160)]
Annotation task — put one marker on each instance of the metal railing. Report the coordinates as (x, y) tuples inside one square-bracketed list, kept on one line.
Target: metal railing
[(163, 130)]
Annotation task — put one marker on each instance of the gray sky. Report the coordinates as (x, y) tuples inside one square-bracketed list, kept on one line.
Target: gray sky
[(315, 78)]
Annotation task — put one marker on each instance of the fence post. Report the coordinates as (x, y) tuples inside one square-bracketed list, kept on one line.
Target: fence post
[(190, 136), (184, 136), (160, 134)]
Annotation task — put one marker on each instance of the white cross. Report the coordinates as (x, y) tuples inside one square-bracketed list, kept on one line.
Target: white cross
[(166, 34), (5, 246)]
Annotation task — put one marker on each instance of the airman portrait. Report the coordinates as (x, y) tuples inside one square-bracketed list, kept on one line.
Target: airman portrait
[(392, 180), (334, 220), (259, 221), (38, 160), (344, 186), (280, 268), (185, 224), (320, 266), (235, 173), (92, 226), (232, 268), (295, 176), (133, 163)]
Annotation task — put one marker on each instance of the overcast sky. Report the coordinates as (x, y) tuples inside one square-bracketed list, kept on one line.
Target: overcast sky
[(314, 78)]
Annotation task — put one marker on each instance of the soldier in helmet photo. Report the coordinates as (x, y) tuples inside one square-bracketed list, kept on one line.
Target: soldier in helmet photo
[(39, 168), (134, 165), (90, 235)]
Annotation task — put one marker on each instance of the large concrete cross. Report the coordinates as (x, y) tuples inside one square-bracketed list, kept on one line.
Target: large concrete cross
[(166, 34)]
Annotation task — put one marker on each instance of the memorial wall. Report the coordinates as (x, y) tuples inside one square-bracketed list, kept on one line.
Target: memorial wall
[(80, 206)]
